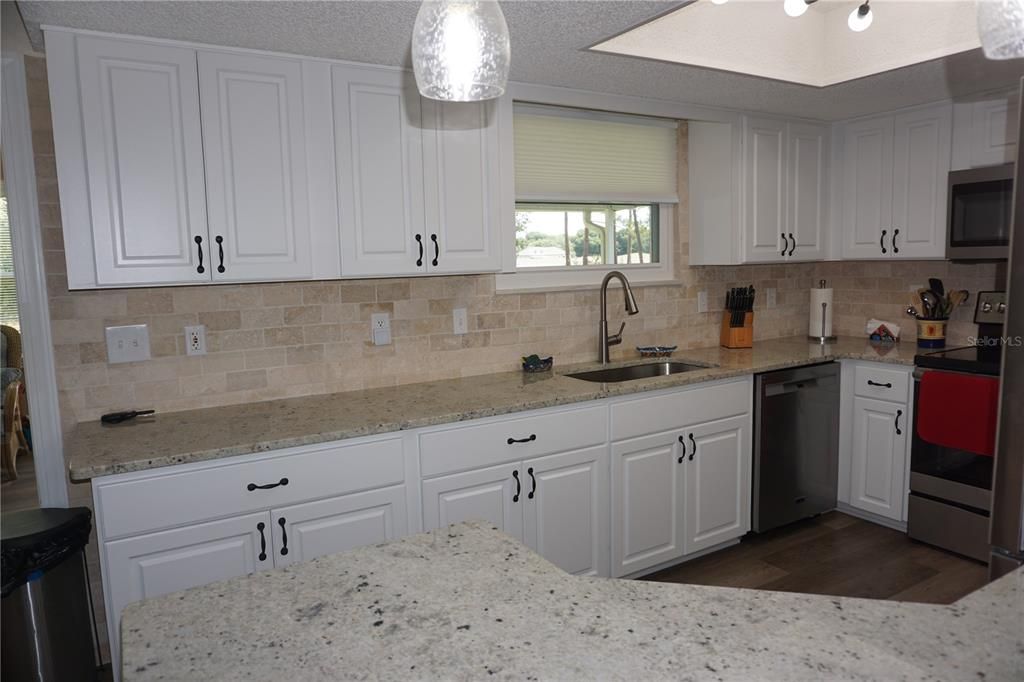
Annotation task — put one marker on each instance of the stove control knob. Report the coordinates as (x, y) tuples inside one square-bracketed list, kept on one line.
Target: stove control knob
[(1001, 308), (986, 307)]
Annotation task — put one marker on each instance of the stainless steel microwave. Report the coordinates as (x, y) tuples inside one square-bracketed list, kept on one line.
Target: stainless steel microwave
[(980, 210)]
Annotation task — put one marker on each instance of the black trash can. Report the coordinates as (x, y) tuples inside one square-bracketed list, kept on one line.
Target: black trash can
[(47, 622)]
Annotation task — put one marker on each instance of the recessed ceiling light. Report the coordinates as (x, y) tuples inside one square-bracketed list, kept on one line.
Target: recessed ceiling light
[(860, 18)]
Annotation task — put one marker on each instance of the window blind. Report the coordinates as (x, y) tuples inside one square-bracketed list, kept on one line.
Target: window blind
[(8, 291), (576, 155)]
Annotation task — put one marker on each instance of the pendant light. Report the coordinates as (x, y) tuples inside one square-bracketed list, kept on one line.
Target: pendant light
[(719, 2), (460, 50), (860, 18), (796, 8), (1001, 28)]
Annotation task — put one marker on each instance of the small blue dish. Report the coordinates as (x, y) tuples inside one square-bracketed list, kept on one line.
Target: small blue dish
[(534, 364)]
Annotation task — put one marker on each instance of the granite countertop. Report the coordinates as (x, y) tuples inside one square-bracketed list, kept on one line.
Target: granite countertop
[(95, 450), (468, 602)]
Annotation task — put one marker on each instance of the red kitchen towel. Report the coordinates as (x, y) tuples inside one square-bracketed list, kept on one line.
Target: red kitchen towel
[(959, 411)]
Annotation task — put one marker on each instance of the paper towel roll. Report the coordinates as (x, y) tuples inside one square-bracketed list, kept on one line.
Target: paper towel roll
[(815, 327)]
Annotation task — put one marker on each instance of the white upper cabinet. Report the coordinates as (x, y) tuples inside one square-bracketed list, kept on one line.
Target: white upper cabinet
[(129, 160), (255, 146), (462, 176), (786, 185), (985, 131), (894, 185), (807, 216), (379, 157), (765, 190)]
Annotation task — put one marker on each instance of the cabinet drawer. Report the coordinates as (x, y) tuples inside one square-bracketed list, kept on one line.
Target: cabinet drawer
[(478, 445), (213, 491), (870, 381), (695, 405)]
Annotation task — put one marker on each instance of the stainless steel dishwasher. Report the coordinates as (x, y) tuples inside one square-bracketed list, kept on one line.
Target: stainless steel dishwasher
[(796, 449)]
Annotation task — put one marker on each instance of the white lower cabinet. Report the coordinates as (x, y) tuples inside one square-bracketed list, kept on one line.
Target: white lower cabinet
[(717, 474), (879, 455), (306, 531), (556, 504)]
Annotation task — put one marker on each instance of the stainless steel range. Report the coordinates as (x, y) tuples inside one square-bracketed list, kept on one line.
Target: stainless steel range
[(951, 477)]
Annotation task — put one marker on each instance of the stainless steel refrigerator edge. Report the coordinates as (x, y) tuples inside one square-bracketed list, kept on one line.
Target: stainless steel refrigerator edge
[(1006, 532), (796, 445)]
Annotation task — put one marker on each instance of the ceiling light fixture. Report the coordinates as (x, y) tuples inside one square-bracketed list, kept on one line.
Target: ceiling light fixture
[(1001, 28), (796, 8), (860, 18), (460, 50)]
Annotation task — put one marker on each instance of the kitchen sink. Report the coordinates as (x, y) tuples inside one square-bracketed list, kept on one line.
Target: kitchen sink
[(655, 369)]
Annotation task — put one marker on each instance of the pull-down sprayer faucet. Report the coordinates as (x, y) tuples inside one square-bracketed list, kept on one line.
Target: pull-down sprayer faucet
[(606, 340)]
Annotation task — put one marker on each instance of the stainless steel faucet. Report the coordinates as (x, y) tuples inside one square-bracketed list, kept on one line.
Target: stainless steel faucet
[(604, 339)]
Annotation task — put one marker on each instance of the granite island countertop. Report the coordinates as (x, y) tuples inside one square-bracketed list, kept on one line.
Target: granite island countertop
[(95, 450), (468, 602)]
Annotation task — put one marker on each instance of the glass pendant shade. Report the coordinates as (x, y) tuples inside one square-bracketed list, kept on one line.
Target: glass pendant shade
[(719, 2), (860, 18), (460, 50), (795, 8), (1001, 28)]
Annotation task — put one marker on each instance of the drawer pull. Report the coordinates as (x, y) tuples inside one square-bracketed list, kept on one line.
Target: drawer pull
[(267, 486), (533, 437), (284, 536), (519, 486), (694, 444), (899, 413), (263, 541), (534, 480), (875, 383)]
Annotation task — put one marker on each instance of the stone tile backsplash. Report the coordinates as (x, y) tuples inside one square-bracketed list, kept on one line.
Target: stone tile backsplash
[(270, 341)]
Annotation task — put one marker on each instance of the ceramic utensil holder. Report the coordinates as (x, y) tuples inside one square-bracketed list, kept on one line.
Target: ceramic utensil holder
[(737, 337), (931, 333)]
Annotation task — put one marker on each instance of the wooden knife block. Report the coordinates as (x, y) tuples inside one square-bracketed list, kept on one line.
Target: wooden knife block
[(737, 337)]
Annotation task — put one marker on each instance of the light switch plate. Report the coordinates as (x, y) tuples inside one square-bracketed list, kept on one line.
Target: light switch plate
[(702, 301), (460, 324), (380, 329), (127, 344)]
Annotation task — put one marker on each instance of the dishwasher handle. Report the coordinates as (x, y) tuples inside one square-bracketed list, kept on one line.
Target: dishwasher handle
[(789, 387)]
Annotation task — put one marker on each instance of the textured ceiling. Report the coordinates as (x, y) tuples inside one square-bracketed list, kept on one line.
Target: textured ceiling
[(549, 46)]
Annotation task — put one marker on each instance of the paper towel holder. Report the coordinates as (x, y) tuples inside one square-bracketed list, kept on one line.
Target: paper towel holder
[(822, 339)]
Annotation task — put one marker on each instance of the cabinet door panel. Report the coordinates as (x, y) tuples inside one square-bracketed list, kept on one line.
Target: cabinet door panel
[(482, 495), (647, 504), (306, 531), (717, 483), (380, 171), (173, 560), (255, 144), (765, 189), (808, 189), (462, 178), (921, 159), (566, 515), (144, 161), (867, 188), (878, 457)]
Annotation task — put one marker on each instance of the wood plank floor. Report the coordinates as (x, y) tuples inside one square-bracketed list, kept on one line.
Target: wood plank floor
[(20, 493), (836, 554)]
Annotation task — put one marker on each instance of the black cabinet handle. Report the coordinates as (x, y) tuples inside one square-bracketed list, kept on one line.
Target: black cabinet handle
[(419, 242), (899, 413), (881, 241), (437, 250), (694, 443), (683, 443), (895, 249), (199, 244), (263, 541), (785, 245), (220, 252), (284, 537), (793, 247), (519, 486), (532, 437), (534, 481), (267, 486), (875, 383)]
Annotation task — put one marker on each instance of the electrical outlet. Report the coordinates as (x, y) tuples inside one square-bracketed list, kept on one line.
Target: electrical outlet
[(127, 344), (770, 297), (460, 325), (195, 340), (380, 329), (702, 301)]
